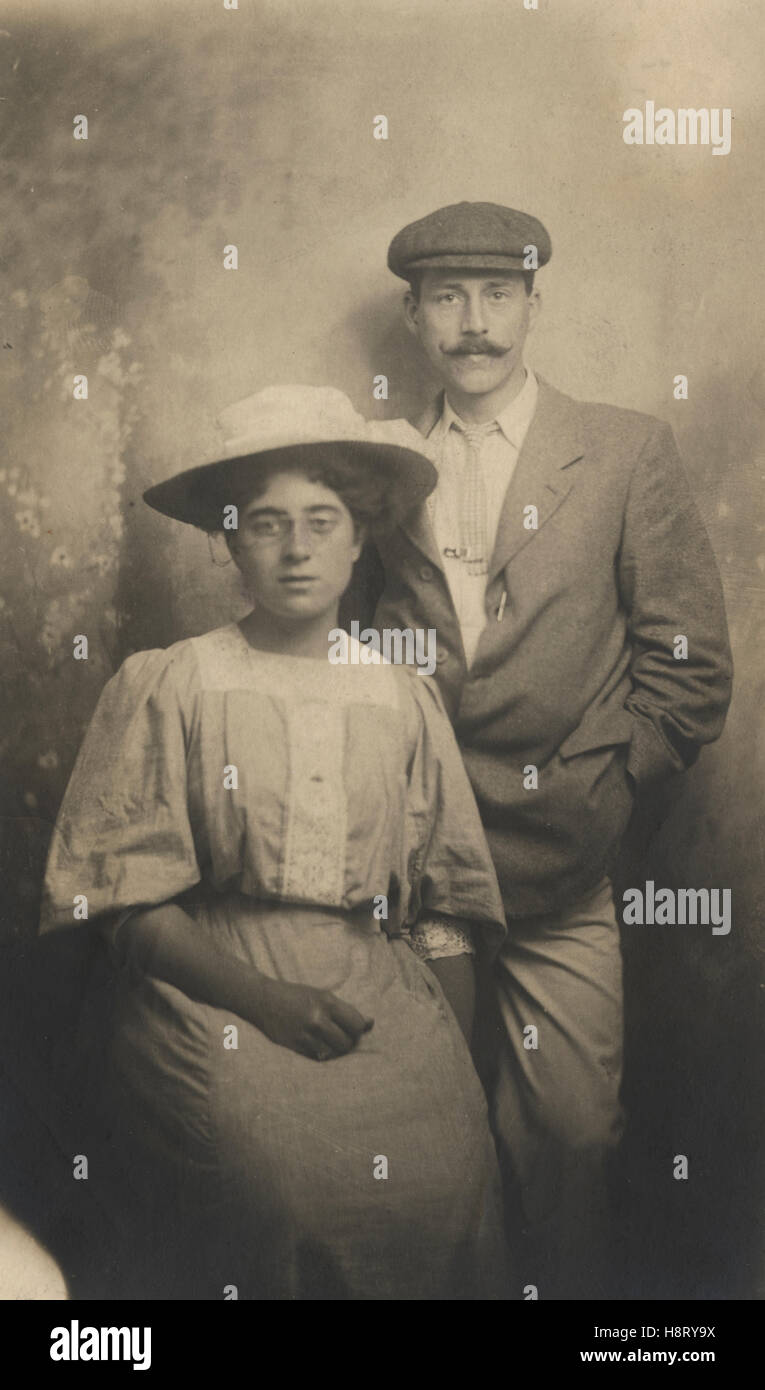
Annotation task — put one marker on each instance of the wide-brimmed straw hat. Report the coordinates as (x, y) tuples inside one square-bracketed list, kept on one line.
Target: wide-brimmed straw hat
[(296, 424)]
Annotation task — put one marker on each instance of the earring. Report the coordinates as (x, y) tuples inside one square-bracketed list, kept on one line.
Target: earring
[(219, 564)]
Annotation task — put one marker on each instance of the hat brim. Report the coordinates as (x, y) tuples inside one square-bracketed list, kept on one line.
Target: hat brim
[(458, 260), (198, 495)]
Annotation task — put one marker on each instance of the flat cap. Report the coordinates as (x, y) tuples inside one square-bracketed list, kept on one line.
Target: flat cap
[(468, 236)]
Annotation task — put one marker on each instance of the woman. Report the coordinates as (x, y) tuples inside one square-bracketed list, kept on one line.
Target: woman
[(274, 846)]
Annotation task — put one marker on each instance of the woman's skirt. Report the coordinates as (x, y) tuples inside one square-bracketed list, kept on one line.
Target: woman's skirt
[(242, 1169)]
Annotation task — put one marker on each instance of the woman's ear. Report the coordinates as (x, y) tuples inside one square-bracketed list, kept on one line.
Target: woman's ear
[(216, 548), (360, 533)]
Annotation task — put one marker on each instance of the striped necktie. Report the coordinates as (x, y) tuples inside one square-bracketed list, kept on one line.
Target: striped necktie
[(473, 531)]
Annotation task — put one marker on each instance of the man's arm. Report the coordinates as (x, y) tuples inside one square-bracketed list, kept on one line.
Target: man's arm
[(446, 946), (671, 590), (456, 976)]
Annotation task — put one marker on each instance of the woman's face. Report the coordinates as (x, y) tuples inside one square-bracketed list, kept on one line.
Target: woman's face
[(295, 547)]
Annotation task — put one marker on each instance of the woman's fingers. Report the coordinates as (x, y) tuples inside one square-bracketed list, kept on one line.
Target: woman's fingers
[(330, 1041), (336, 1026), (349, 1019)]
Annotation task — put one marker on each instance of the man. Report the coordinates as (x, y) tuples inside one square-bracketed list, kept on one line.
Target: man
[(583, 657)]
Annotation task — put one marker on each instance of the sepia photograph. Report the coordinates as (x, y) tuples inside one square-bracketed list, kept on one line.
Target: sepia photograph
[(382, 626)]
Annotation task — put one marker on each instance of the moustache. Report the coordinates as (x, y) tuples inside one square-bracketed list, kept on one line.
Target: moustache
[(480, 349)]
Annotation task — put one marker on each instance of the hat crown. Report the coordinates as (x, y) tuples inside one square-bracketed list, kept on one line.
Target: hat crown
[(284, 418), (279, 416), (471, 236), (466, 214)]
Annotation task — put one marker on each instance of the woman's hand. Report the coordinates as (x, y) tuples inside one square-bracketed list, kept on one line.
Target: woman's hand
[(162, 941), (307, 1020)]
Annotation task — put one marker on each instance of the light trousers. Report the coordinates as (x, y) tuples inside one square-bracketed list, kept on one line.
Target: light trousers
[(556, 1107)]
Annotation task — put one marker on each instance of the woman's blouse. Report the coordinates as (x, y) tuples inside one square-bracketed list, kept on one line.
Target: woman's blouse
[(277, 777)]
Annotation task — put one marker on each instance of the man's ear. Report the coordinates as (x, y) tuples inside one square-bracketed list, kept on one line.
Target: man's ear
[(411, 311), (535, 306)]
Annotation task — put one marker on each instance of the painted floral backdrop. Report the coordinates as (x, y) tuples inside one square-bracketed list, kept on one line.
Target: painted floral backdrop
[(61, 532)]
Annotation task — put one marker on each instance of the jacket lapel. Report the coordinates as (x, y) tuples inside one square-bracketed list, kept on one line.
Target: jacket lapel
[(554, 441), (417, 525)]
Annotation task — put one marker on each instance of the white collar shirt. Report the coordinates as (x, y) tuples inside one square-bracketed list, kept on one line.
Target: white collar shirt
[(498, 457)]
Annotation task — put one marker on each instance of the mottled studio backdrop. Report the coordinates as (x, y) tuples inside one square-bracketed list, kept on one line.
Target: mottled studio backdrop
[(254, 127)]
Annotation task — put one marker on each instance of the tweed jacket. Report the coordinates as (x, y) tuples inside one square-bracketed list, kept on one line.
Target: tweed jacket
[(581, 691)]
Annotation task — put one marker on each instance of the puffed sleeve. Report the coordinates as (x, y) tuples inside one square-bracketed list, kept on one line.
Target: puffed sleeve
[(449, 867), (123, 836)]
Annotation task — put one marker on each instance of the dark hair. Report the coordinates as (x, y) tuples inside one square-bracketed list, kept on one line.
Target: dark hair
[(366, 494), (415, 281)]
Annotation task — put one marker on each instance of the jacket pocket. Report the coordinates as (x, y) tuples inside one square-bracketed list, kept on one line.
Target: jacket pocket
[(601, 731)]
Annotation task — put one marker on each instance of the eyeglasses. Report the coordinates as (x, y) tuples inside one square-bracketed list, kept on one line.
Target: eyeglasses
[(265, 531)]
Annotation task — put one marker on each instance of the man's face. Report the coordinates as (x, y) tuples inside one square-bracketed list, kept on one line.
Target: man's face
[(472, 325)]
